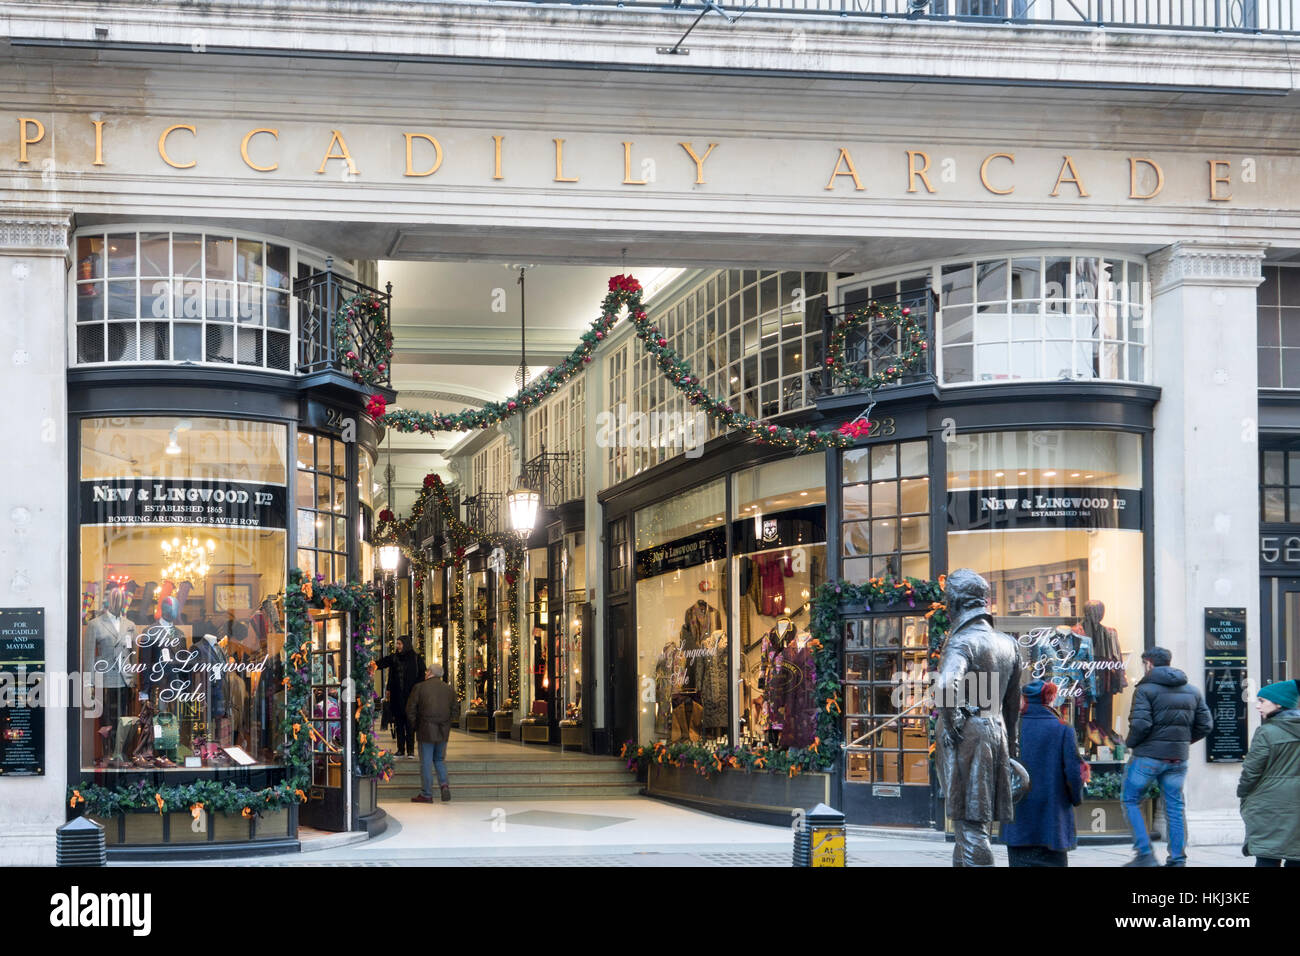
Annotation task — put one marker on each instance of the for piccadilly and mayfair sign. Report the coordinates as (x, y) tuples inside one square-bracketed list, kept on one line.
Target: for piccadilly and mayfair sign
[(174, 147)]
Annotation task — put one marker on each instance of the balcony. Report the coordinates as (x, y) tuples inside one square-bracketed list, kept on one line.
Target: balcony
[(325, 345), (875, 345), (1235, 16)]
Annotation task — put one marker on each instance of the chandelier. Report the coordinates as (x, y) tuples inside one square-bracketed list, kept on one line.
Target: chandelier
[(187, 560)]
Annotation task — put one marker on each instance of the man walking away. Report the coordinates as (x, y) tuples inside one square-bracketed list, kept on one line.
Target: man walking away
[(1168, 715), (428, 708)]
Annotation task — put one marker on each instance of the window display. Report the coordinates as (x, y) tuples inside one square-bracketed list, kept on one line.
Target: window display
[(182, 574), (681, 637), (574, 572), (1053, 521), (778, 541), (481, 629)]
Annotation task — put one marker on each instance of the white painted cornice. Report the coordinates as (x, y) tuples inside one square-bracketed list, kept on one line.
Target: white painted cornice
[(34, 233), (563, 35), (1206, 264)]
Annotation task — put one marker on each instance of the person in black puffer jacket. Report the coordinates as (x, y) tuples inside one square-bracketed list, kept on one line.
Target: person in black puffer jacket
[(1168, 716)]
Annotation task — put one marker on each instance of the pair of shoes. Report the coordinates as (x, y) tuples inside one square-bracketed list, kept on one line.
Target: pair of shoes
[(446, 793), (1175, 862), (421, 798), (1143, 859)]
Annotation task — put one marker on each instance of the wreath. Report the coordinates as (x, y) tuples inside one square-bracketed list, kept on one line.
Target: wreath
[(911, 336), (359, 311)]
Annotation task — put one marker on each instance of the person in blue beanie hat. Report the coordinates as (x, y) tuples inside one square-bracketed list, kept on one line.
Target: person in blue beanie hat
[(1269, 788), (1043, 833)]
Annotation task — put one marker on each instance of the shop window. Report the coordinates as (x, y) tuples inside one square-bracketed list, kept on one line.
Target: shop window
[(180, 297), (1053, 521), (617, 562), (1043, 317), (320, 496), (482, 644), (753, 336), (778, 536), (1279, 486), (182, 567), (885, 507), (681, 599), (1278, 325)]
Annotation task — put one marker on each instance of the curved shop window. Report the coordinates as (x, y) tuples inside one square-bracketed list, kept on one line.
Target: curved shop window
[(215, 298), (182, 536), (681, 597), (779, 546), (1054, 317), (1053, 520)]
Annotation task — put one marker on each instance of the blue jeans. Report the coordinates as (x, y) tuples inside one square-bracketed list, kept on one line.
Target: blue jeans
[(1170, 776), (432, 755)]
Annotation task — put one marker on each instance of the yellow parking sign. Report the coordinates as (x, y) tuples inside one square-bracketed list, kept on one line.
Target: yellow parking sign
[(828, 846)]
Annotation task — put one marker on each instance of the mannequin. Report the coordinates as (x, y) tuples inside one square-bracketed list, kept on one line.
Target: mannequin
[(1111, 679), (109, 661)]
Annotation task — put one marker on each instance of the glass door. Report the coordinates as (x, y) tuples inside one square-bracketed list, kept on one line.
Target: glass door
[(886, 718), (328, 724), (1280, 623)]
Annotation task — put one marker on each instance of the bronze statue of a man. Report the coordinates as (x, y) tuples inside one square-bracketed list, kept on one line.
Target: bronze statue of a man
[(977, 695)]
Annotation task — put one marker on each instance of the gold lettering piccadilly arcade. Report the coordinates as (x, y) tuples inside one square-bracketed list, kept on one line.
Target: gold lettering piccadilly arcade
[(178, 147)]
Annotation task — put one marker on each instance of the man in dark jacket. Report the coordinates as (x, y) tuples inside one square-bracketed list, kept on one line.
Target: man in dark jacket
[(429, 708), (404, 671), (1168, 715)]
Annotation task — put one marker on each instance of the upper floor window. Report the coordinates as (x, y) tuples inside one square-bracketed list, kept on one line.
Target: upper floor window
[(1280, 485), (1043, 317), (217, 298), (1278, 324)]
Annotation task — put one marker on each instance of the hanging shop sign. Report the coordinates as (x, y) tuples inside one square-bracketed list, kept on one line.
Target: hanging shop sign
[(698, 549), (183, 501), (1004, 509), (22, 685)]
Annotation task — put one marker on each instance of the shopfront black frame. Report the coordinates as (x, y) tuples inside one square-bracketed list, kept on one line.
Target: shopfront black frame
[(915, 411), (325, 403)]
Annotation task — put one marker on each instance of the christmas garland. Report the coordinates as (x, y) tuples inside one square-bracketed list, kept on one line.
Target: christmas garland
[(625, 293), (911, 335), (201, 796), (356, 310), (358, 601), (829, 606)]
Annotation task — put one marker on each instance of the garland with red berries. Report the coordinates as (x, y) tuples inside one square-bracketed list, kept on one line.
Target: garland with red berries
[(354, 312), (625, 292)]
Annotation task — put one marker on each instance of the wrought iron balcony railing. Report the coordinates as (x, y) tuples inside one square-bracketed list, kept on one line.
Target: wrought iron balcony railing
[(1235, 16), (483, 511), (320, 297), (873, 346), (557, 475)]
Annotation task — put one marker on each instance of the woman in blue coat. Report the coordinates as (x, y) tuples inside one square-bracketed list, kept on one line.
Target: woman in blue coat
[(1042, 833)]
